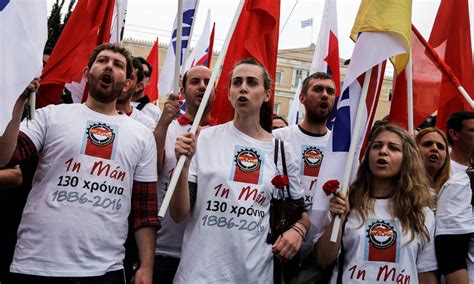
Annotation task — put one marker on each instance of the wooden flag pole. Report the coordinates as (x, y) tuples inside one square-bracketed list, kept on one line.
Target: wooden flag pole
[(200, 112), (409, 75)]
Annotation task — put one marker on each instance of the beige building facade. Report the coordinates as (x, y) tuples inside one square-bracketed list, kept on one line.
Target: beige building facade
[(292, 65)]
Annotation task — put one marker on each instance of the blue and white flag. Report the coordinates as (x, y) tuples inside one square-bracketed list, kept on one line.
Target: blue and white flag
[(23, 34), (364, 58), (200, 52), (165, 82), (307, 23)]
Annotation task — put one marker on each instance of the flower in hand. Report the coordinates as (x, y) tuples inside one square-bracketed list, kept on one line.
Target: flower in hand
[(331, 187), (280, 181)]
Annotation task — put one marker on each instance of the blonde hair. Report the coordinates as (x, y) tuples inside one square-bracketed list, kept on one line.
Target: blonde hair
[(411, 194), (443, 173)]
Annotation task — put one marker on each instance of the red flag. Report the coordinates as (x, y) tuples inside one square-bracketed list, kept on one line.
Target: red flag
[(88, 26), (451, 38), (431, 77), (211, 45), (256, 35), (152, 89)]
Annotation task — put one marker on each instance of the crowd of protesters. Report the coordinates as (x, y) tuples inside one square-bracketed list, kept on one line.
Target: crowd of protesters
[(81, 184)]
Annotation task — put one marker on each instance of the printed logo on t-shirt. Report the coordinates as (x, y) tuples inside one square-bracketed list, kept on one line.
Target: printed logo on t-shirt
[(247, 165), (99, 140), (382, 240), (310, 160)]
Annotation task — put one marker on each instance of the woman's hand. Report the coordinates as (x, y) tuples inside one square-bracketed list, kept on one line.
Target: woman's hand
[(339, 205), (288, 244), (186, 145)]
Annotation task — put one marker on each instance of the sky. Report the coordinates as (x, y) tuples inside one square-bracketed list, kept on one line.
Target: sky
[(149, 19)]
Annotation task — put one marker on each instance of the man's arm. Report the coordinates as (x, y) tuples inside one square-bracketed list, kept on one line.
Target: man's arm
[(9, 138), (146, 239), (145, 223), (11, 177), (170, 112)]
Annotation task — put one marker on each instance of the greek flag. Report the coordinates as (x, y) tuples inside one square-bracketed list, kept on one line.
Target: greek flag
[(165, 84), (307, 23)]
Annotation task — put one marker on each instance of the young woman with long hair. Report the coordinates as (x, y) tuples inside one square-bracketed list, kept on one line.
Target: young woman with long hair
[(225, 192), (387, 235)]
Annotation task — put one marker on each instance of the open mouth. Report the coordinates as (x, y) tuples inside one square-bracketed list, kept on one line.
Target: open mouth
[(242, 99), (323, 105), (106, 80), (382, 162), (433, 157)]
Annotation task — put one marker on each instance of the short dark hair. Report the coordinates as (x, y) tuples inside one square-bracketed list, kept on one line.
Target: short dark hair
[(276, 116), (143, 61), (138, 65), (455, 121), (117, 48), (47, 50), (317, 75)]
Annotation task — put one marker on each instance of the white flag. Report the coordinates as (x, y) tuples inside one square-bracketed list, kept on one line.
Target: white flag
[(23, 34)]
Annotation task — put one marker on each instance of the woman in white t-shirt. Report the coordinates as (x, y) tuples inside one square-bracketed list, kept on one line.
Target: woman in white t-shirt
[(389, 228), (226, 191)]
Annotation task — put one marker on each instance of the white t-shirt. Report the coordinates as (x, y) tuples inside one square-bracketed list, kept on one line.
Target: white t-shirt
[(225, 237), (151, 110), (378, 251), (457, 167), (75, 221), (309, 150), (143, 118), (170, 236), (455, 214)]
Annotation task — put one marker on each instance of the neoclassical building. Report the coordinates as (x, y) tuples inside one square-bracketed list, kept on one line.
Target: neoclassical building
[(292, 65)]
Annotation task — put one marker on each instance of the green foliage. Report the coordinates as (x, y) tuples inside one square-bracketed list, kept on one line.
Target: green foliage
[(55, 24)]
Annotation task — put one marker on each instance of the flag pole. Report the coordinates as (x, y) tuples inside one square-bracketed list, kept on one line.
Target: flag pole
[(409, 75), (352, 150), (32, 105), (466, 96), (119, 19), (200, 112), (179, 32)]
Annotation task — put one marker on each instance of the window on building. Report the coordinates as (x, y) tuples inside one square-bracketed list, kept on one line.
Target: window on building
[(389, 94), (299, 74), (276, 108), (298, 77), (278, 77)]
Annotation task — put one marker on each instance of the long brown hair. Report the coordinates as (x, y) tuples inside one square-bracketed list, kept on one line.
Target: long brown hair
[(443, 173), (411, 194)]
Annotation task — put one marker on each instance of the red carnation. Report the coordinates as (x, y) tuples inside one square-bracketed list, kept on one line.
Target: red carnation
[(331, 187), (280, 181)]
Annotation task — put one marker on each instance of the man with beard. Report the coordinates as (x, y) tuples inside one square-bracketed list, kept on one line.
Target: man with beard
[(308, 140), (170, 236), (95, 168)]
